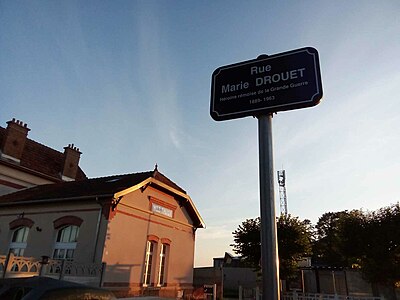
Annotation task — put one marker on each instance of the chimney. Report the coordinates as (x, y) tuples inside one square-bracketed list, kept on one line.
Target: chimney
[(71, 162), (14, 141)]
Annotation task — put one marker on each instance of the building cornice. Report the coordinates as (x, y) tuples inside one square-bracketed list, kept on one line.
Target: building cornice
[(150, 181)]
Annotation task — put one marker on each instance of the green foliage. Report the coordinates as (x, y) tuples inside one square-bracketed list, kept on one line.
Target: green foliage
[(368, 241), (247, 241), (380, 260), (294, 243), (351, 237), (338, 237), (325, 248)]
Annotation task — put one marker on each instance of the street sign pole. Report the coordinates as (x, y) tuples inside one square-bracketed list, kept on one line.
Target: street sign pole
[(261, 87), (269, 248)]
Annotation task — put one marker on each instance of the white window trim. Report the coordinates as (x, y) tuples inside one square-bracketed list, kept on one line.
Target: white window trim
[(148, 272), (16, 245), (163, 257), (19, 245), (65, 245)]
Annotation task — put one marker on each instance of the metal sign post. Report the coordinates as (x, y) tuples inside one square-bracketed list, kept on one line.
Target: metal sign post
[(260, 87), (269, 249)]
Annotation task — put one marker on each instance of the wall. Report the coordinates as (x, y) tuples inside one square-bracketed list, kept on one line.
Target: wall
[(42, 235), (233, 277), (125, 246), (357, 286), (208, 275), (12, 179), (347, 282)]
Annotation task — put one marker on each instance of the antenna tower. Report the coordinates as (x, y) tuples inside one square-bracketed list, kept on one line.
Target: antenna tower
[(282, 192)]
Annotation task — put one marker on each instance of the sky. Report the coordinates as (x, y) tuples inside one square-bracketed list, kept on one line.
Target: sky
[(129, 83)]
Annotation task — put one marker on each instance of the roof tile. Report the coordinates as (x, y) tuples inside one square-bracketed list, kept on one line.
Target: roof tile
[(42, 159), (84, 188)]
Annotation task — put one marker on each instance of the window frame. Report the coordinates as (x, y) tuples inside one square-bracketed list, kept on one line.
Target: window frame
[(148, 266), (19, 245), (65, 246), (162, 265)]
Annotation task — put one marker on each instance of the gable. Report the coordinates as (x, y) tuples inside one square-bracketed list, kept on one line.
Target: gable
[(113, 188)]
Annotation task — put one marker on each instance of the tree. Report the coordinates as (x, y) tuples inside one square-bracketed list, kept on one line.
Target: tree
[(247, 241), (327, 246), (380, 260), (294, 242), (369, 242), (351, 238)]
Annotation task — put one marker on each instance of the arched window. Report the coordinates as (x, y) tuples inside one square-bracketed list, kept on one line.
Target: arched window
[(148, 263), (163, 264), (66, 240), (19, 240)]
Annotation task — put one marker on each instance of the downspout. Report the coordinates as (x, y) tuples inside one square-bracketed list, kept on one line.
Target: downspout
[(97, 230), (114, 204)]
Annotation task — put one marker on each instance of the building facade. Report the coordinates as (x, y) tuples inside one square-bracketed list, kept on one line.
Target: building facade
[(133, 234), (141, 226)]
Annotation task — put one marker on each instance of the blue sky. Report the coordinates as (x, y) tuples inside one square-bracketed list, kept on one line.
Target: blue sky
[(128, 82)]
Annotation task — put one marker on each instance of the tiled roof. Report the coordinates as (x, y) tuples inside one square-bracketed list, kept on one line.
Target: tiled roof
[(84, 188), (42, 159), (103, 187)]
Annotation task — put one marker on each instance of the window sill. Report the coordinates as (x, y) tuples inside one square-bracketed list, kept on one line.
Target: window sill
[(151, 287)]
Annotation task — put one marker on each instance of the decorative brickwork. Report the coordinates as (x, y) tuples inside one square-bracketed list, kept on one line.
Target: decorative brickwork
[(153, 238), (67, 220), (21, 222)]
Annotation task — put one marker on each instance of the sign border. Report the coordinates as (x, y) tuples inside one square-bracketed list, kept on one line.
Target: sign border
[(315, 99)]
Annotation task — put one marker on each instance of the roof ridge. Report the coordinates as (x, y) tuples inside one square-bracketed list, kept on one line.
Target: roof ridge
[(118, 175), (36, 142), (53, 151), (175, 185)]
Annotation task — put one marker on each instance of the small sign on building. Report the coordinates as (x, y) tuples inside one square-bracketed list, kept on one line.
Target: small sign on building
[(208, 289)]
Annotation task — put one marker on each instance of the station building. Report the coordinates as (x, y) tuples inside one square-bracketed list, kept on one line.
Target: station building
[(139, 230)]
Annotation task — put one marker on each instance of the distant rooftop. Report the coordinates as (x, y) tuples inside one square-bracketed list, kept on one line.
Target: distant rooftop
[(33, 157)]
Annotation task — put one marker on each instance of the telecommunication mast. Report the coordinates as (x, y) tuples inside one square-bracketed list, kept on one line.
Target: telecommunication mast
[(282, 192)]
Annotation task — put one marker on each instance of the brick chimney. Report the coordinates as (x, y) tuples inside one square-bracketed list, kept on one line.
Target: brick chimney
[(14, 141), (71, 162)]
